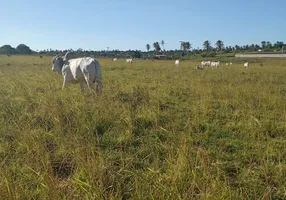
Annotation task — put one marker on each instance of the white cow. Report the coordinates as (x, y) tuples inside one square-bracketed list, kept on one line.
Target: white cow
[(114, 59), (245, 65), (226, 64), (230, 63), (79, 70), (215, 64), (177, 62), (206, 63), (129, 60)]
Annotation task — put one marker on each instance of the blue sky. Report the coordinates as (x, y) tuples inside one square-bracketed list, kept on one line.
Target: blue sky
[(131, 24)]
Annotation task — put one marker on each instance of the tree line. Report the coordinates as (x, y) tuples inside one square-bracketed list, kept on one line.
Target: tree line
[(157, 48), (265, 46), (20, 49)]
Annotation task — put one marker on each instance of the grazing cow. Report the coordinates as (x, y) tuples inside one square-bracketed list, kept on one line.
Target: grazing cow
[(230, 63), (206, 63), (245, 65), (129, 60), (114, 59), (215, 64), (226, 64), (79, 70), (177, 62), (41, 56)]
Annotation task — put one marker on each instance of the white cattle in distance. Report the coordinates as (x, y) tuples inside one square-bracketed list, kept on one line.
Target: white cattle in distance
[(245, 65), (114, 59), (129, 60), (79, 70), (215, 64), (177, 62), (206, 63)]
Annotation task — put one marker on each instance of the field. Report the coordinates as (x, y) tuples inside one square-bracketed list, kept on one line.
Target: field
[(156, 132)]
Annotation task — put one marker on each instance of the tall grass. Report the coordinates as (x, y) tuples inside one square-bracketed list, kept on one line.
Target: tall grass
[(156, 132)]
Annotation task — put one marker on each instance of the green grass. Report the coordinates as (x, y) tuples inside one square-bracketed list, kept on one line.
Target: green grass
[(156, 132)]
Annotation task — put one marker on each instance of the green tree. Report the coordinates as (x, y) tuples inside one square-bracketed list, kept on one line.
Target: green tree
[(157, 47), (137, 54), (268, 45), (219, 45), (163, 43), (23, 49), (7, 49), (237, 47), (187, 46), (148, 47), (207, 45), (280, 44), (263, 44), (182, 45)]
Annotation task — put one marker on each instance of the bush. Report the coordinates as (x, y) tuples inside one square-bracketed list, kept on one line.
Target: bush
[(208, 54)]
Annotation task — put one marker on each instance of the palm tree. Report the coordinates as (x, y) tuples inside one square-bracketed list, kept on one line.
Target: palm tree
[(188, 46), (157, 47), (148, 47), (252, 47), (268, 44), (207, 45), (219, 45), (182, 45), (263, 43), (163, 43)]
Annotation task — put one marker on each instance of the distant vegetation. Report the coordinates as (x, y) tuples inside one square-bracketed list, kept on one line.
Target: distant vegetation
[(185, 50), (20, 49)]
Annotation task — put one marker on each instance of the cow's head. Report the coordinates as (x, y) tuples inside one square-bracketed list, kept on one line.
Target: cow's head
[(58, 63)]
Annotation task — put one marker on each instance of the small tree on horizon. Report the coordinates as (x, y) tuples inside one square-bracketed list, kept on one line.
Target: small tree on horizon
[(219, 45), (207, 45), (163, 43), (157, 47), (148, 47)]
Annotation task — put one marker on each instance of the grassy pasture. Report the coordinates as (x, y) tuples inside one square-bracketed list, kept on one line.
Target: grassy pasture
[(156, 132)]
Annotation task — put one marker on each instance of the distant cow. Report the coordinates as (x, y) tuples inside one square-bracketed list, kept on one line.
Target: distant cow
[(206, 63), (114, 59), (177, 62), (41, 56), (79, 70), (215, 64), (245, 65), (129, 60)]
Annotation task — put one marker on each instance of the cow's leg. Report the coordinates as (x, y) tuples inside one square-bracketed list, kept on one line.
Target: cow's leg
[(89, 83), (64, 83)]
